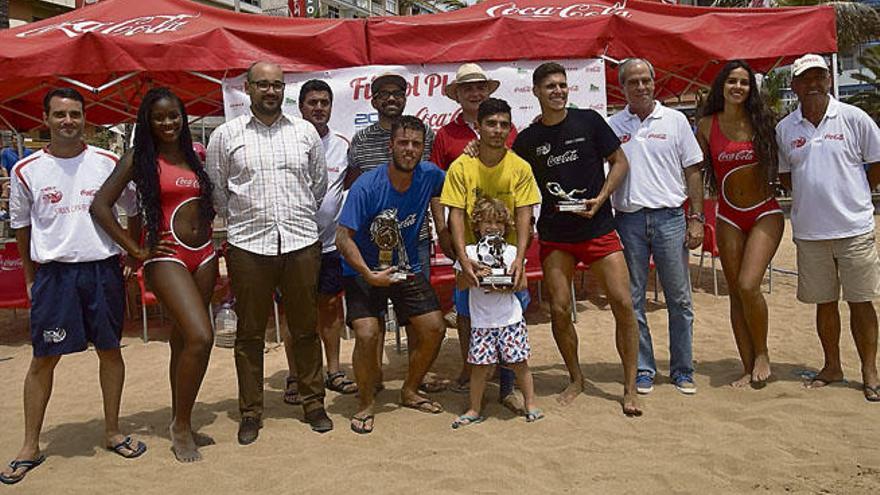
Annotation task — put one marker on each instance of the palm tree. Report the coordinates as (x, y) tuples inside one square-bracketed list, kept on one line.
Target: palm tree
[(869, 99), (856, 22)]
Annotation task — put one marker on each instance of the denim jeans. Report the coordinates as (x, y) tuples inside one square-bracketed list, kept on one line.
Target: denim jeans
[(660, 232)]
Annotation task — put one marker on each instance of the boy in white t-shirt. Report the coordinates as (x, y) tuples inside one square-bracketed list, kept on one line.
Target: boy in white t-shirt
[(498, 329)]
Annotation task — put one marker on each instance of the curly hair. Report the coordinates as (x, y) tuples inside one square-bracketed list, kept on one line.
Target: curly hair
[(491, 209), (146, 170), (761, 118)]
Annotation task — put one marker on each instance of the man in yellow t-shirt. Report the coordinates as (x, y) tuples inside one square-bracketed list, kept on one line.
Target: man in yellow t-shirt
[(496, 173)]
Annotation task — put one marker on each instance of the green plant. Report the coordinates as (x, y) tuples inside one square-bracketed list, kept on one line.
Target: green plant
[(869, 99)]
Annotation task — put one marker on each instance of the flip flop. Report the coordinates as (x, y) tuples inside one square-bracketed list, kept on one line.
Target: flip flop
[(433, 387), (460, 387), (534, 415), (467, 420), (872, 394), (362, 429), (28, 465), (810, 377), (425, 405), (127, 444)]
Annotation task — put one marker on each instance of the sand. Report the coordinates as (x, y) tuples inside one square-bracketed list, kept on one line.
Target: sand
[(782, 439)]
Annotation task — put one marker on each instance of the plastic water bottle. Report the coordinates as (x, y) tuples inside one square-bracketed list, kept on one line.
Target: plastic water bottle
[(226, 320)]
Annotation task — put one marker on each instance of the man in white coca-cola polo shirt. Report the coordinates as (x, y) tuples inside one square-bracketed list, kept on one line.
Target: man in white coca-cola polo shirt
[(823, 148), (71, 269)]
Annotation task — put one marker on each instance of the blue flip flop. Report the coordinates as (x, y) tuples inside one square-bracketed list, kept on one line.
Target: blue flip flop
[(128, 444), (467, 420), (534, 415), (28, 465)]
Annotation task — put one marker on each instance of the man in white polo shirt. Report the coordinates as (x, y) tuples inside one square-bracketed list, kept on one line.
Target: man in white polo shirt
[(823, 148), (72, 272), (664, 171)]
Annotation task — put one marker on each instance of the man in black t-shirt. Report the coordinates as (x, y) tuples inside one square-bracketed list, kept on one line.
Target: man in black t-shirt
[(567, 149)]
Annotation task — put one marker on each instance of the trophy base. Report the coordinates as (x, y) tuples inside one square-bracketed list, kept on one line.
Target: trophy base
[(496, 281), (571, 206)]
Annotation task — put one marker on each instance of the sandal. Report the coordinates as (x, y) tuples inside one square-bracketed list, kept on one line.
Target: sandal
[(872, 394), (534, 415), (467, 420), (339, 383), (129, 448), (25, 464), (291, 392), (425, 405), (366, 424)]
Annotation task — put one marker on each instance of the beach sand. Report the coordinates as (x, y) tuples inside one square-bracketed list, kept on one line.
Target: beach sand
[(782, 439)]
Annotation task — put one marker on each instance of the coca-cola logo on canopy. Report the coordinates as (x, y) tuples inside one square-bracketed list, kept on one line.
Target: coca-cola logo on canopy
[(152, 24), (567, 11)]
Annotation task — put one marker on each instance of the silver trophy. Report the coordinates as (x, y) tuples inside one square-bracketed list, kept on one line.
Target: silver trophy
[(490, 253), (567, 201), (385, 233)]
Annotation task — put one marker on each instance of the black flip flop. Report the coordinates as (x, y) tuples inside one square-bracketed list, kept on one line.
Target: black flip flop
[(28, 465), (362, 429), (128, 444)]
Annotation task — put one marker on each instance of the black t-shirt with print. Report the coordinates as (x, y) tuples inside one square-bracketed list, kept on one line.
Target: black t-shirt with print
[(569, 156)]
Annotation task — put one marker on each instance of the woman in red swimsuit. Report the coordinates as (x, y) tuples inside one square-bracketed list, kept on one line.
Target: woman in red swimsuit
[(737, 135), (172, 237)]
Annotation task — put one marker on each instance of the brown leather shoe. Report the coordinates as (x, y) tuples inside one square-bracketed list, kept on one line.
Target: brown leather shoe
[(319, 421), (249, 430)]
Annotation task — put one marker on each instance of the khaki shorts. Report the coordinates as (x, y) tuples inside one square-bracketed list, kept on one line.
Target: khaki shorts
[(824, 266)]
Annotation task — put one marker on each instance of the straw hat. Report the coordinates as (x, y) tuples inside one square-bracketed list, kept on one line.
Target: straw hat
[(469, 73)]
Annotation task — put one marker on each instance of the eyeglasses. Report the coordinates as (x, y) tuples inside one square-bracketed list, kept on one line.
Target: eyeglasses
[(264, 85), (384, 95)]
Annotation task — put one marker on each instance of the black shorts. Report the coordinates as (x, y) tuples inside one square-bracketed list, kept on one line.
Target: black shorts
[(77, 303), (412, 297), (330, 276)]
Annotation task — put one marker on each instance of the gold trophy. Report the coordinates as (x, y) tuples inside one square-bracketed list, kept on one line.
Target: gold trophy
[(385, 233), (567, 201), (490, 253)]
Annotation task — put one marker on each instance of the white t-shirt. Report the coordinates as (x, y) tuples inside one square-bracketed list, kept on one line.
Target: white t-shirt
[(831, 197), (657, 149), (336, 155), (52, 195), (493, 309)]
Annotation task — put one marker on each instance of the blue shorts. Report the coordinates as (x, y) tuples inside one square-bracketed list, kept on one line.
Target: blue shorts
[(77, 303), (463, 308), (330, 275)]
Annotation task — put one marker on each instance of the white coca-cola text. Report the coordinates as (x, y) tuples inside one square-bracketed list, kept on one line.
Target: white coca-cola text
[(732, 156), (436, 120), (574, 10), (568, 156), (184, 182), (152, 24)]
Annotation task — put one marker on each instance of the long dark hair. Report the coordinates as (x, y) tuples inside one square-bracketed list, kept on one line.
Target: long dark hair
[(146, 170), (760, 117)]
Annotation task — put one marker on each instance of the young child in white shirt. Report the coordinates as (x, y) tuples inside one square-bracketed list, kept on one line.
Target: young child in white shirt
[(498, 328)]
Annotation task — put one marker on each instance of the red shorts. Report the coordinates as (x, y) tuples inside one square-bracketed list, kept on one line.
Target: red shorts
[(586, 252), (191, 258)]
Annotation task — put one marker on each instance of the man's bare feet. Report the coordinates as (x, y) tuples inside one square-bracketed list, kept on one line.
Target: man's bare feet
[(824, 378), (571, 392), (631, 405), (742, 381), (761, 370), (183, 445), (202, 440)]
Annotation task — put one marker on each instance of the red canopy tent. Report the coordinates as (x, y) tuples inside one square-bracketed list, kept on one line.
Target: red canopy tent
[(117, 48)]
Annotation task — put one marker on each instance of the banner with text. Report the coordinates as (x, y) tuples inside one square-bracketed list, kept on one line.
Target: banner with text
[(425, 98)]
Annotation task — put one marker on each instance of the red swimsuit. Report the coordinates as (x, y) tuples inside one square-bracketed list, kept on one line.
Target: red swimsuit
[(178, 187), (728, 156)]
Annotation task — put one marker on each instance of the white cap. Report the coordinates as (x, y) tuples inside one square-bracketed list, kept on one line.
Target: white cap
[(808, 61)]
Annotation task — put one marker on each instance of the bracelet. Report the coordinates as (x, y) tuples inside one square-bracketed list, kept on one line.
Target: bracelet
[(698, 217)]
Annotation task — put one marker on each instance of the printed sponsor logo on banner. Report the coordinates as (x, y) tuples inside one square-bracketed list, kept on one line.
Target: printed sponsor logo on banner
[(419, 85), (365, 119), (153, 24), (569, 11), (436, 120)]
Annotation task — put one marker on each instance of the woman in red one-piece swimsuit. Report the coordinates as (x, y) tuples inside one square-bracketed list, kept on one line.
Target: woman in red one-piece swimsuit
[(172, 237), (737, 135)]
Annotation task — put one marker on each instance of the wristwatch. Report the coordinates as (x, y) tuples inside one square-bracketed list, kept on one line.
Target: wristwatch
[(700, 217)]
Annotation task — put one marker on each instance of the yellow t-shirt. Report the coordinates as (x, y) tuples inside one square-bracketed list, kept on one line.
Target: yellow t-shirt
[(511, 181)]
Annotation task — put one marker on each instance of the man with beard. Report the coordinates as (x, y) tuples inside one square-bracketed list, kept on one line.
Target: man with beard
[(403, 190), (269, 179)]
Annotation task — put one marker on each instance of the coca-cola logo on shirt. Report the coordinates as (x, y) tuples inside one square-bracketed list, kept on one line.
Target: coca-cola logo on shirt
[(187, 182), (564, 12), (88, 192), (797, 143), (733, 156), (834, 137), (152, 24), (50, 194), (625, 138), (567, 157), (656, 135)]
